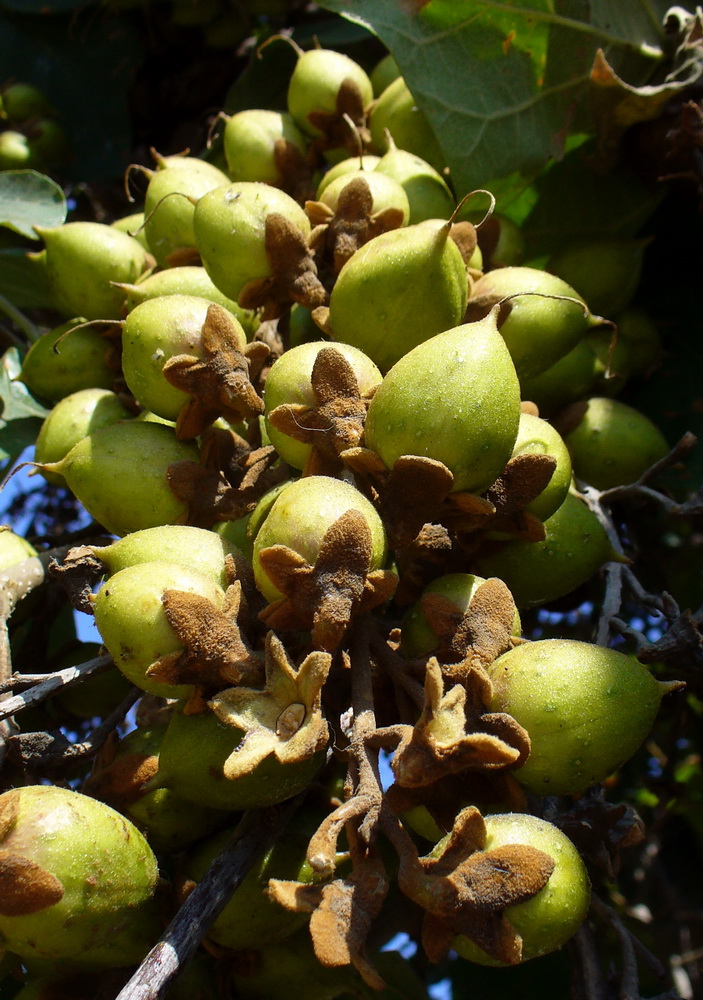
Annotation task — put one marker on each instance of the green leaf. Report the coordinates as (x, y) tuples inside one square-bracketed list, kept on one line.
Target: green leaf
[(576, 200), (23, 280), (503, 84), (21, 413), (29, 199)]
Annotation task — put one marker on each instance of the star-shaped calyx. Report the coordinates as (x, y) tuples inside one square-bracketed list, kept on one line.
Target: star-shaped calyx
[(293, 276), (336, 420), (344, 127), (339, 233), (476, 636), (325, 596), (342, 912), (522, 480), (219, 383), (284, 720), (455, 733), (215, 652), (412, 493), (228, 482), (465, 889)]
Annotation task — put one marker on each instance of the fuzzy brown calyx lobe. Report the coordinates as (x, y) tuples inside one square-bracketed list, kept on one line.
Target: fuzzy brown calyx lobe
[(334, 422), (26, 887), (465, 889), (325, 596), (219, 384), (339, 234), (293, 276)]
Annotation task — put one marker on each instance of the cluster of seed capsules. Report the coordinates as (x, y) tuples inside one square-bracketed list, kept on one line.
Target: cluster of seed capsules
[(334, 424)]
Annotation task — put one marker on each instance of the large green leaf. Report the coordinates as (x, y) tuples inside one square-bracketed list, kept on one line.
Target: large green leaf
[(21, 413), (503, 83), (23, 280), (29, 199)]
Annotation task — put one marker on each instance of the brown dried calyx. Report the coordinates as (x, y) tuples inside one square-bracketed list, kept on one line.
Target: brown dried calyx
[(335, 422), (284, 720), (345, 127), (473, 638), (455, 733), (228, 482), (293, 276), (220, 384), (408, 496), (327, 595), (215, 652), (25, 886), (342, 912), (337, 235), (522, 480), (465, 889)]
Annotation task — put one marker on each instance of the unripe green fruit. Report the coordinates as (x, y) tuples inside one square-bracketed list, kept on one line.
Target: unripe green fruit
[(536, 437), (315, 83), (301, 515), (133, 225), (302, 328), (398, 290), (249, 140), (156, 331), (81, 362), (169, 822), (13, 549), (575, 547), (639, 333), (383, 74), (386, 192), (182, 544), (99, 876), (250, 919), (568, 379), (49, 143), (72, 419), (366, 163), (613, 444), (539, 328), (82, 261), (428, 195), (240, 208), (455, 399), (194, 751), (131, 619), (289, 382), (16, 152), (605, 270), (547, 920), (119, 475), (187, 280), (21, 101), (417, 638), (396, 111), (169, 205), (587, 710)]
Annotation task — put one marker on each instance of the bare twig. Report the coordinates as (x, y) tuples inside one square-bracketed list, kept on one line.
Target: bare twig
[(253, 836), (15, 583), (60, 678), (587, 977)]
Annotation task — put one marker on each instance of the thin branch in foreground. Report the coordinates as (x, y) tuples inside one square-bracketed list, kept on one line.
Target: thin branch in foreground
[(253, 836), (60, 678)]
